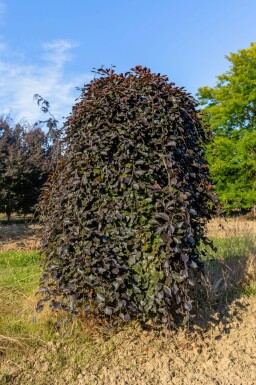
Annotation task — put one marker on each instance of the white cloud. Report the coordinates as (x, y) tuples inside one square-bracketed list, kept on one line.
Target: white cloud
[(19, 82), (58, 51)]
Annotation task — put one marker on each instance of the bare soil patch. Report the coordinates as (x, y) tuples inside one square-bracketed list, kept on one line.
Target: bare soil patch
[(19, 236), (231, 227), (222, 354)]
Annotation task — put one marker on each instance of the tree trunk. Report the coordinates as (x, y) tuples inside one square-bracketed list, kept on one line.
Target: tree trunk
[(8, 214)]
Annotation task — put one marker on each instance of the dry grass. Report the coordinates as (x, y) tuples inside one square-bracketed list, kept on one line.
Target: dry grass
[(231, 227), (233, 265), (19, 274)]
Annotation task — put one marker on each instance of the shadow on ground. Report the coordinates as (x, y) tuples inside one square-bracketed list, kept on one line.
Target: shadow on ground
[(19, 235), (224, 285)]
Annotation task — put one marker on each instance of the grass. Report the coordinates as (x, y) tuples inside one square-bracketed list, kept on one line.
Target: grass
[(19, 270), (19, 275), (19, 335), (231, 247), (231, 267), (16, 219), (249, 290)]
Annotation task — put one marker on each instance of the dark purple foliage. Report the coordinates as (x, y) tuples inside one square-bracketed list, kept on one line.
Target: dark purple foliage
[(125, 210), (25, 162)]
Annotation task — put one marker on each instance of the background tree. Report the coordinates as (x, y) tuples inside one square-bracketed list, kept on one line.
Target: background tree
[(25, 161), (27, 155), (230, 112), (54, 131)]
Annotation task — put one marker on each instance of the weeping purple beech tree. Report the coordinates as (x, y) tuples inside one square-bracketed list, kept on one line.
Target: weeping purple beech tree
[(125, 210)]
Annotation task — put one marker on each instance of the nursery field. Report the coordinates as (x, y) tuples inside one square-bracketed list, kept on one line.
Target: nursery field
[(216, 347)]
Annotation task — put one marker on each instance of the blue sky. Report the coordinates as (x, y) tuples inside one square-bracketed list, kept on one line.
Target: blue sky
[(50, 47)]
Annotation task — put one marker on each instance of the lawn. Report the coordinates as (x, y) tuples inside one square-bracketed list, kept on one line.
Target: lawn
[(23, 332), (19, 271), (19, 275)]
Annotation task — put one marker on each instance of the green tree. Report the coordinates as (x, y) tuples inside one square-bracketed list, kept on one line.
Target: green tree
[(233, 167), (230, 112)]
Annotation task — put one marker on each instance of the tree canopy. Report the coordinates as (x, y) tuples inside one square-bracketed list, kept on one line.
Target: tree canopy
[(231, 104), (25, 161), (230, 112), (125, 209)]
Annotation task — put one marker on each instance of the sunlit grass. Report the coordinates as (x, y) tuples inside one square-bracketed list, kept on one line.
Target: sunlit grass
[(231, 266), (230, 247), (19, 277), (19, 270)]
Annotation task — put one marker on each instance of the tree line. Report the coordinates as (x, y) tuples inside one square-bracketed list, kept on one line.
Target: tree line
[(28, 153)]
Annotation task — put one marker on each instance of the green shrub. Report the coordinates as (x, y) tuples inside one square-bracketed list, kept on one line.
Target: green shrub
[(125, 210)]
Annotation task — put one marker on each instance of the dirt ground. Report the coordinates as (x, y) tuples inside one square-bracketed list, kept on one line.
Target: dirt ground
[(19, 236), (223, 353)]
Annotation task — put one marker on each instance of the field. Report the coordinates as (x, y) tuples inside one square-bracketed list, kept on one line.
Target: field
[(216, 347)]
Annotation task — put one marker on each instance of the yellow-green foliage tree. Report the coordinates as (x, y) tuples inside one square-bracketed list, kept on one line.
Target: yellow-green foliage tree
[(230, 112)]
